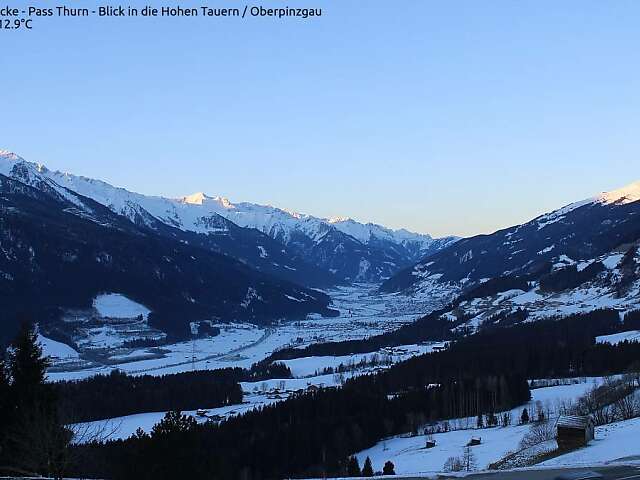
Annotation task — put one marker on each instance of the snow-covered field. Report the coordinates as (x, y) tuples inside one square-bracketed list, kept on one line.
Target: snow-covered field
[(363, 312), (114, 305), (409, 455), (614, 339), (124, 427), (57, 351)]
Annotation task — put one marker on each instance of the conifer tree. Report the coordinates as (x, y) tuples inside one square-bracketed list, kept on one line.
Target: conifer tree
[(37, 441), (172, 423), (27, 366), (389, 468), (353, 467), (367, 469), (6, 409), (524, 418)]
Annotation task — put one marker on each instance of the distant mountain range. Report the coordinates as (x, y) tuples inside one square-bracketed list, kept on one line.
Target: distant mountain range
[(296, 247), (59, 250), (65, 239), (577, 233)]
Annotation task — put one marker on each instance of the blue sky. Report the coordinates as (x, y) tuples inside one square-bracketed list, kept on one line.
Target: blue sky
[(443, 117)]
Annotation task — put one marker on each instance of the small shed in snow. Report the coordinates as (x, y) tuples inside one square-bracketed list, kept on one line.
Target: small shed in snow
[(574, 431), (474, 441)]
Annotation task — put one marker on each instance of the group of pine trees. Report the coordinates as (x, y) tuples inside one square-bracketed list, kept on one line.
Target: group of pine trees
[(118, 394), (33, 438), (354, 470)]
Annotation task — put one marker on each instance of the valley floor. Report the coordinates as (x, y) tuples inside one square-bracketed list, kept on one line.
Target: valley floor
[(363, 312)]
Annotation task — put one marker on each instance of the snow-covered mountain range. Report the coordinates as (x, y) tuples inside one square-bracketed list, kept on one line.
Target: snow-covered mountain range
[(343, 249), (580, 233), (60, 250)]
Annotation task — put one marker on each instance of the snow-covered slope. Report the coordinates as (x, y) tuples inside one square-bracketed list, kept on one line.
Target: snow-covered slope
[(348, 249), (577, 233)]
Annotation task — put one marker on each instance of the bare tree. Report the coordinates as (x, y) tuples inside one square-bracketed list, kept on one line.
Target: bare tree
[(453, 464), (538, 433), (627, 407), (468, 459)]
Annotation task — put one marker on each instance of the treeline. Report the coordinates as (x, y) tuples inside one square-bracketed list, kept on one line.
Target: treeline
[(494, 286), (570, 277), (562, 347), (118, 394), (632, 320)]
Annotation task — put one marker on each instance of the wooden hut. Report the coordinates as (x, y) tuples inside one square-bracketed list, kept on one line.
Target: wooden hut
[(574, 431)]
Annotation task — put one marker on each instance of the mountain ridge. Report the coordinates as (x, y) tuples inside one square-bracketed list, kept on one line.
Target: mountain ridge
[(579, 231), (59, 253), (343, 248)]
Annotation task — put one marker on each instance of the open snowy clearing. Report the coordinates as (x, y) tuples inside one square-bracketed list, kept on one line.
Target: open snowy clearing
[(114, 305)]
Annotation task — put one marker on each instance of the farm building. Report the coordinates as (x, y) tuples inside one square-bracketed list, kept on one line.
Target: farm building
[(574, 431), (474, 441)]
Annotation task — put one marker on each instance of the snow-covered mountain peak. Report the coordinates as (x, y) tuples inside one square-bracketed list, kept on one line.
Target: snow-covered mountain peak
[(624, 195), (202, 199), (620, 196), (10, 156), (340, 219), (197, 198), (223, 202)]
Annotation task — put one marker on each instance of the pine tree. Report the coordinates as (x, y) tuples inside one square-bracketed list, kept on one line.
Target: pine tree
[(389, 468), (524, 418), (479, 422), (367, 469), (27, 365), (37, 440), (353, 467), (172, 423), (6, 410)]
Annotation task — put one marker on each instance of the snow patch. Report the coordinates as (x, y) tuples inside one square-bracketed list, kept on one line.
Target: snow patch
[(115, 305), (614, 339), (56, 350)]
